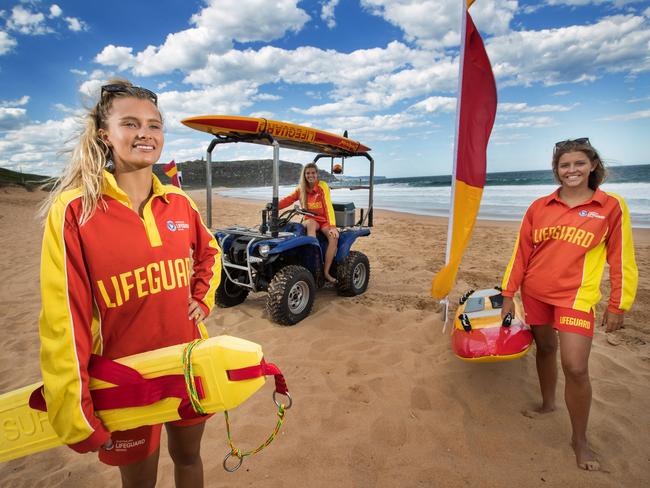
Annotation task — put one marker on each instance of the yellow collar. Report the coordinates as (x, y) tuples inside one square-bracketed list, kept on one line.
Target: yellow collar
[(111, 189)]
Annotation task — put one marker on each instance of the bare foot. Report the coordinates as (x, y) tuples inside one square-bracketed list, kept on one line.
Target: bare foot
[(330, 278), (585, 457), (537, 412)]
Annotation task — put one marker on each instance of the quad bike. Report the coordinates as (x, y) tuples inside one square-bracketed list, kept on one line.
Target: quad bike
[(278, 257)]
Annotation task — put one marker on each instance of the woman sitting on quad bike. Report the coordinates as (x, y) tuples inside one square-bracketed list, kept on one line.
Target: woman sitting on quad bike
[(314, 196)]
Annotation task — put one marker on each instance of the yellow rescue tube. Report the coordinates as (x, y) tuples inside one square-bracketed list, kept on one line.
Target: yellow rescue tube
[(24, 430)]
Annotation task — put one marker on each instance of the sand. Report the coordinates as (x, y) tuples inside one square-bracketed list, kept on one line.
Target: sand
[(379, 398)]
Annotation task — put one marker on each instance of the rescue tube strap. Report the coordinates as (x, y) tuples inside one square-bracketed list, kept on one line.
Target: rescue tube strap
[(263, 369), (131, 390)]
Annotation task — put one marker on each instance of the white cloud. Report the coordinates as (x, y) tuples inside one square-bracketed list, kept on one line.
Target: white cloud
[(75, 24), (580, 3), (12, 117), (267, 97), (525, 108), (360, 126), (216, 26), (55, 11), (226, 99), (528, 122), (641, 114), (27, 22), (372, 79), (571, 54), (6, 43), (436, 23), (24, 100), (333, 108), (119, 56), (327, 13), (36, 145), (436, 105)]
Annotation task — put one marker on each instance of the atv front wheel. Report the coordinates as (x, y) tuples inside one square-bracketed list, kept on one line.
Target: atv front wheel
[(291, 295), (353, 274), (230, 294)]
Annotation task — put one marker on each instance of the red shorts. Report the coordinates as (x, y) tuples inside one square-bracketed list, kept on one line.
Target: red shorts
[(131, 446), (564, 319)]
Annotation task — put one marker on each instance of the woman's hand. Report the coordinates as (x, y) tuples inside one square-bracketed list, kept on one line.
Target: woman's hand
[(108, 445), (508, 308), (195, 311), (612, 321)]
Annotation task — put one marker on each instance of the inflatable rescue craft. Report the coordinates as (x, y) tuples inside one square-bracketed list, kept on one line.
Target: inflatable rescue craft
[(480, 335), (145, 389)]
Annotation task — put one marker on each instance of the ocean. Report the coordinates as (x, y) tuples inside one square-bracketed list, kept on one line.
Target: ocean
[(506, 196)]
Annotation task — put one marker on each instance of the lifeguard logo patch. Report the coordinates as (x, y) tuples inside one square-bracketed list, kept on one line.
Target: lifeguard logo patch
[(591, 215), (174, 225)]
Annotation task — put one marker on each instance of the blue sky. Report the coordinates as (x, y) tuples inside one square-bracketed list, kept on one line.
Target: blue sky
[(385, 70)]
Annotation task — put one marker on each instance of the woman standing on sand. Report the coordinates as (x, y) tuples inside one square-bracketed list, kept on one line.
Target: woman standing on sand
[(558, 262), (314, 196), (118, 278)]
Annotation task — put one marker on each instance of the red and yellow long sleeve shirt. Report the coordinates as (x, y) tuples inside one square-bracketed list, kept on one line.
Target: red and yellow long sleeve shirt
[(560, 253), (318, 201), (117, 285)]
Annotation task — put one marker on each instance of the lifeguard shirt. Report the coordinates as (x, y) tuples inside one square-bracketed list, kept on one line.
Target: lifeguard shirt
[(318, 201), (560, 253), (114, 286)]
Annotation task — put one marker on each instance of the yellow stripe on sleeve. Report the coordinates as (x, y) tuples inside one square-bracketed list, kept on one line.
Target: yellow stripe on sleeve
[(328, 203)]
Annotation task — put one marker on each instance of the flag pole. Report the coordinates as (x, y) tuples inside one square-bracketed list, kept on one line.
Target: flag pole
[(450, 225)]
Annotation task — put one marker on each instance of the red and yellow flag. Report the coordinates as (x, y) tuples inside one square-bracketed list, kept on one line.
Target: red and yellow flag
[(477, 105), (171, 170)]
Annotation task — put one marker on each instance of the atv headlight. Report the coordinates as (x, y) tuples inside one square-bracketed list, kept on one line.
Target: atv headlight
[(264, 250)]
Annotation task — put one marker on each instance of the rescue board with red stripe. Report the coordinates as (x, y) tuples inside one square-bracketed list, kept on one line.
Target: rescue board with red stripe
[(288, 135), (480, 335)]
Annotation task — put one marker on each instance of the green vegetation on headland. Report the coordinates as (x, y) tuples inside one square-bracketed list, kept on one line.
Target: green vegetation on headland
[(236, 174), (232, 174), (28, 181)]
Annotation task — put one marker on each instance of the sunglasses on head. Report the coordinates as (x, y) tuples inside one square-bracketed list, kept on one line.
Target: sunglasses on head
[(131, 90), (579, 140)]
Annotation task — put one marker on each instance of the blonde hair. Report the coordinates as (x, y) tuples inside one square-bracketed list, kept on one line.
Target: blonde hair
[(91, 155), (304, 186)]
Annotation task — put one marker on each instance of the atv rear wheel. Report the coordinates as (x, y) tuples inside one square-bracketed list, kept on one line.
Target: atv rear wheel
[(230, 294), (291, 295), (353, 274)]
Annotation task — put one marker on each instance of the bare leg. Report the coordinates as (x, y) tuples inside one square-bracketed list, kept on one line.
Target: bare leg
[(311, 226), (546, 360), (332, 246), (574, 353), (142, 474), (184, 443)]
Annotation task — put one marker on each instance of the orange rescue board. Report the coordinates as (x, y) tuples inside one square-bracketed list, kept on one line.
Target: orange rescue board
[(288, 135)]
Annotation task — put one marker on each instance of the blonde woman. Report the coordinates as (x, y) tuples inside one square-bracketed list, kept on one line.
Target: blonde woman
[(314, 196), (127, 266)]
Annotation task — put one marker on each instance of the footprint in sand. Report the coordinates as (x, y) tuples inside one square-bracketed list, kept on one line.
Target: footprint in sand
[(535, 413), (420, 399)]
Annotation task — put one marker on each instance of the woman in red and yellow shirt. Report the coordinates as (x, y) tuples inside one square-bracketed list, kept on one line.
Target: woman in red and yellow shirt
[(314, 196), (564, 241), (127, 266)]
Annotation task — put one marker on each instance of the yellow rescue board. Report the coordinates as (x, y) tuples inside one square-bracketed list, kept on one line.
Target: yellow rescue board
[(24, 430), (288, 135)]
